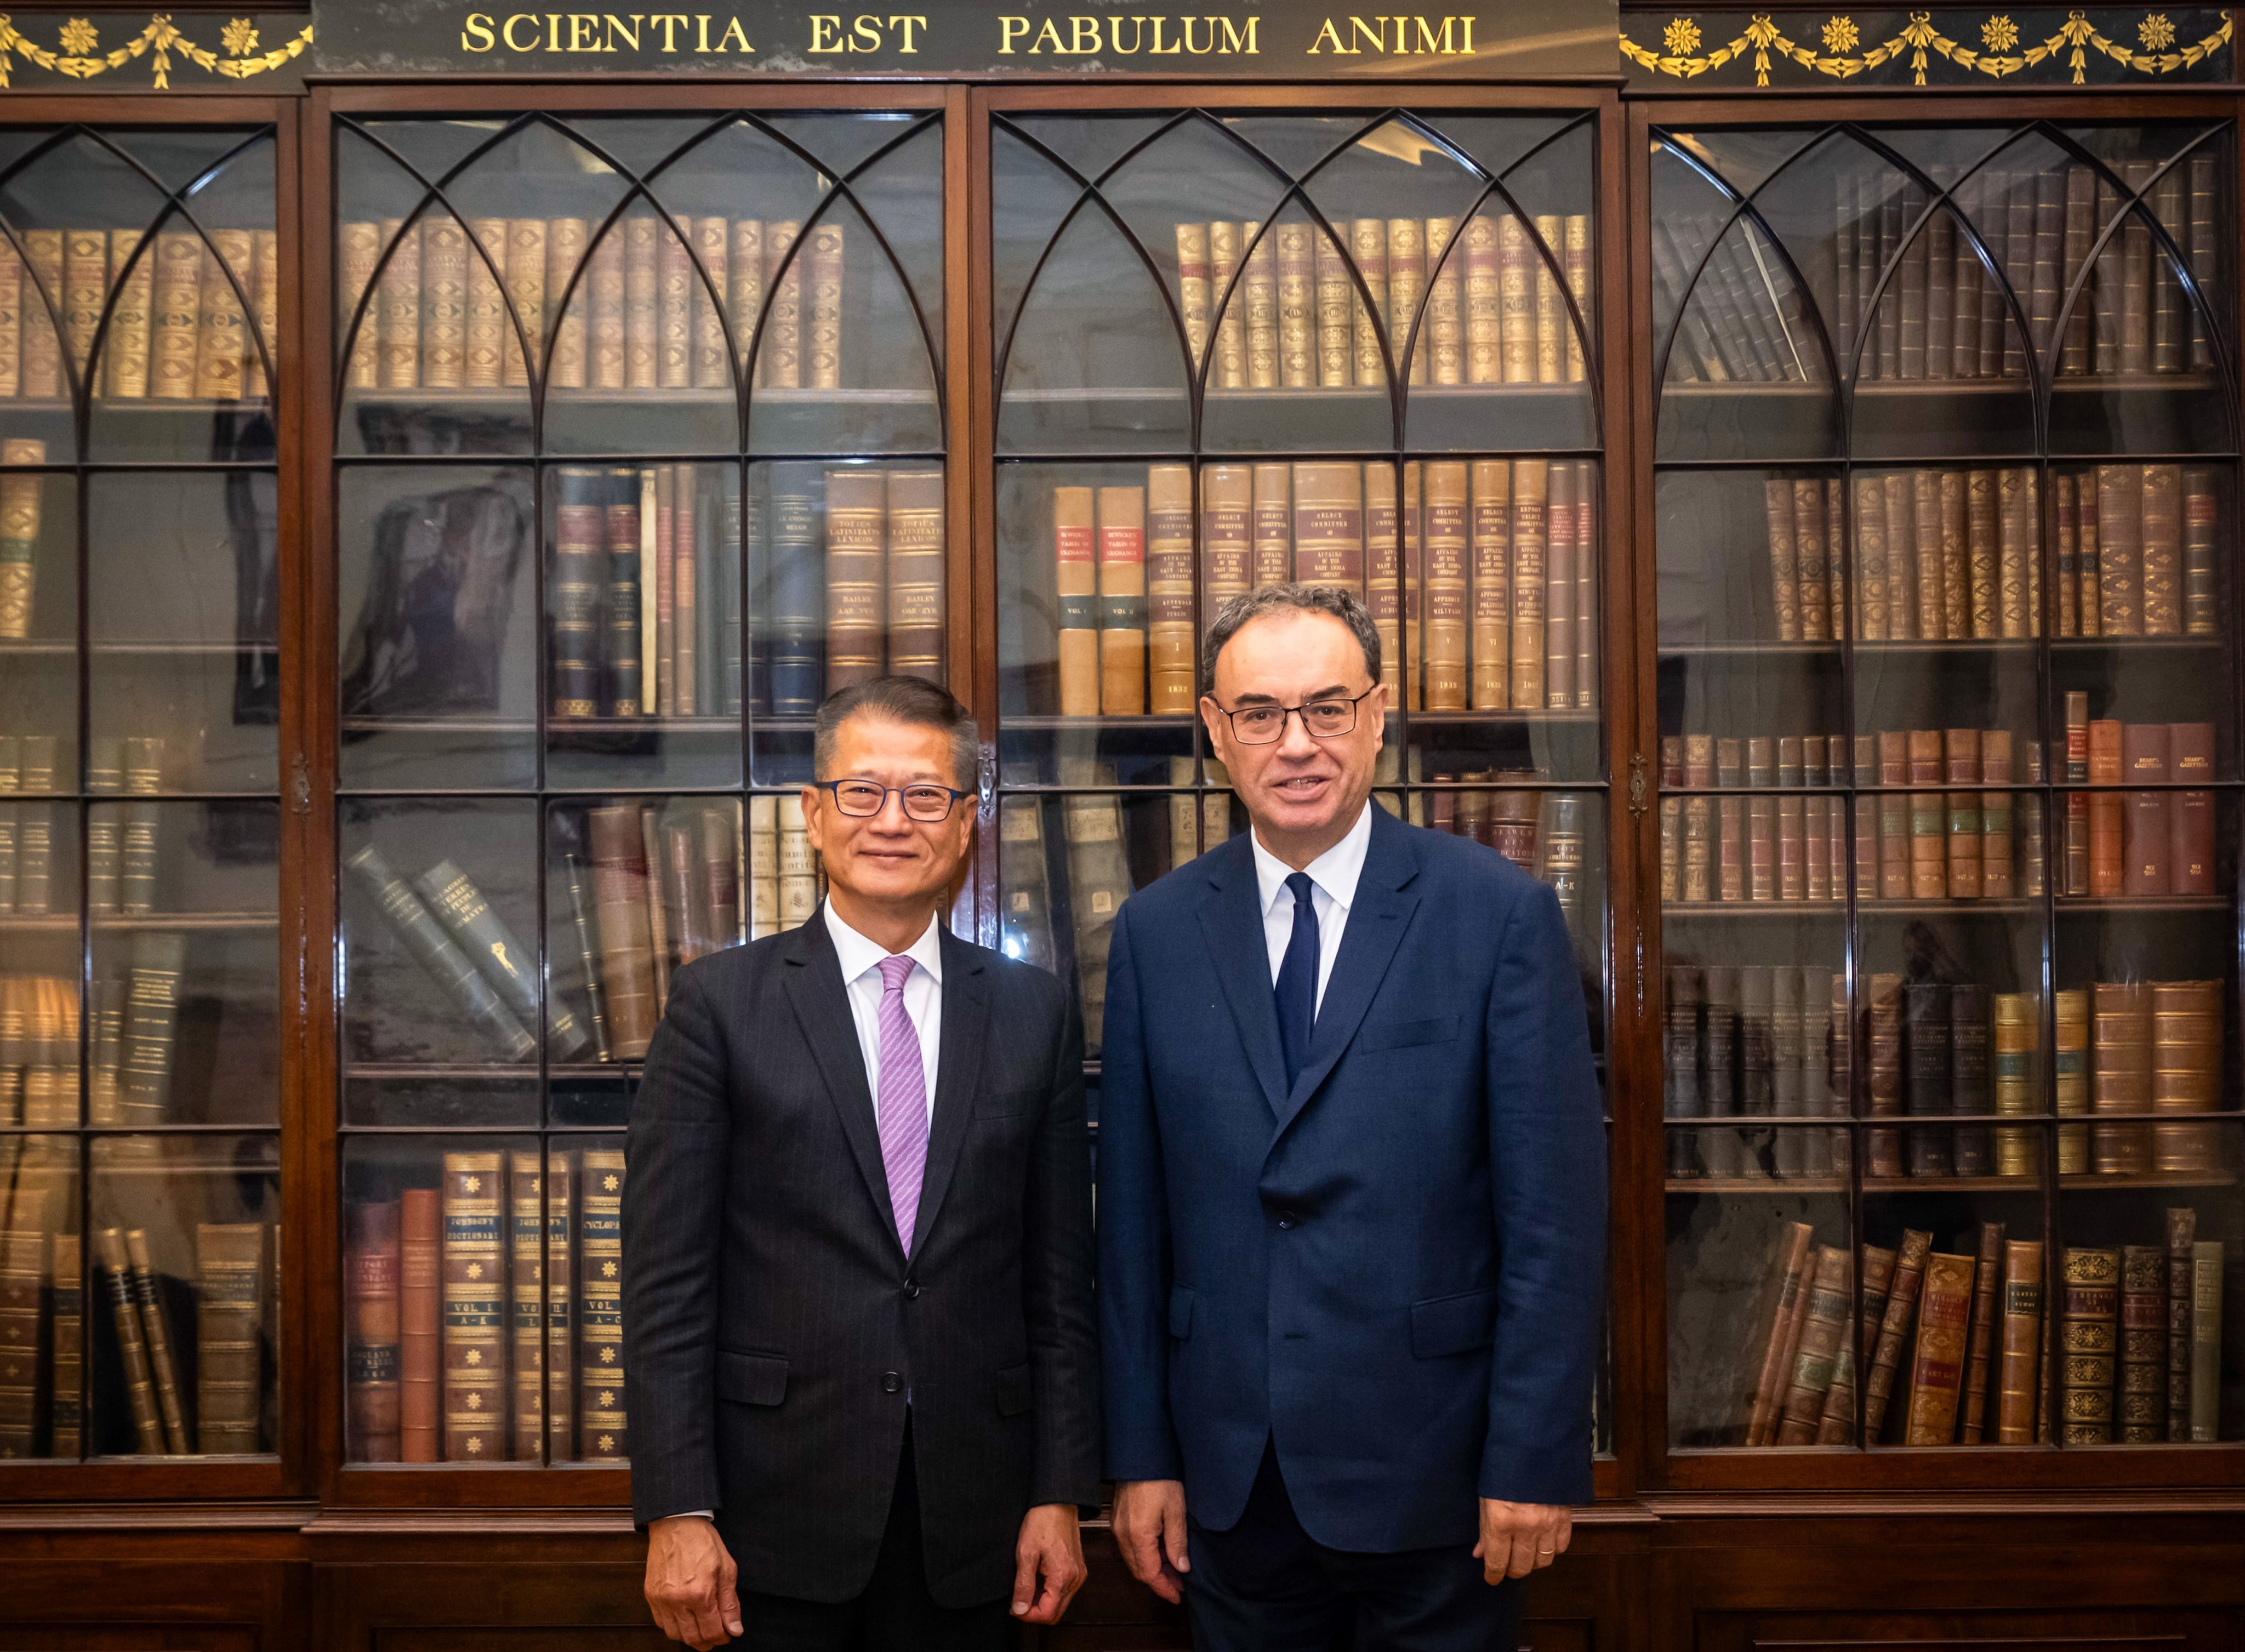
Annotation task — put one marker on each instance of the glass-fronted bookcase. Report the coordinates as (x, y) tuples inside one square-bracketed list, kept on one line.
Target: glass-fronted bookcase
[(145, 347), (1942, 532)]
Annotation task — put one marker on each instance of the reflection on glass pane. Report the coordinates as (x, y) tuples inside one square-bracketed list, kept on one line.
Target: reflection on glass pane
[(1755, 1040), (439, 660), (183, 1326), (42, 1316), (185, 623), (1066, 864)]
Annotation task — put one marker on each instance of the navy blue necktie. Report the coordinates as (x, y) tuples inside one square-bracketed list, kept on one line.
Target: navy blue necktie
[(1298, 980)]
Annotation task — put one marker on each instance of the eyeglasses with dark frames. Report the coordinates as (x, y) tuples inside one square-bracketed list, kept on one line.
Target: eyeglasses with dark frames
[(927, 803), (1327, 719)]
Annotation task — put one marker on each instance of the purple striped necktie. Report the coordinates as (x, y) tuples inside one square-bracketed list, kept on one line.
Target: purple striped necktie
[(901, 1108)]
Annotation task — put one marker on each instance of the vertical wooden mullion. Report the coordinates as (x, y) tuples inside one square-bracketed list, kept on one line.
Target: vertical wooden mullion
[(971, 482)]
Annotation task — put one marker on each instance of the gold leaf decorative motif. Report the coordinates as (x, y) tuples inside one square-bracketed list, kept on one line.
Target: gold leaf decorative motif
[(1682, 35), (1999, 34), (238, 37), (80, 58), (2156, 32), (79, 37), (1840, 35)]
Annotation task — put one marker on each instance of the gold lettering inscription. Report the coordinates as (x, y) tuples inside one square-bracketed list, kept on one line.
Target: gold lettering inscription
[(1151, 34), (908, 24), (476, 33), (507, 31), (626, 27), (1411, 37), (821, 39), (573, 33)]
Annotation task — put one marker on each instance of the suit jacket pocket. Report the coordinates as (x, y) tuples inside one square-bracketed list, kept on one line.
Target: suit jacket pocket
[(1396, 1035), (1180, 1311), (751, 1379), (1014, 1398), (1455, 1325), (1008, 1105)]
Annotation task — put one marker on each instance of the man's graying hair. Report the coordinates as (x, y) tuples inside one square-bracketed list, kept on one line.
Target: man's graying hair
[(912, 701), (1277, 599)]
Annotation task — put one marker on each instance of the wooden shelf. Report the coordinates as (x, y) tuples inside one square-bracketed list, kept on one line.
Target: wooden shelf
[(2029, 1185)]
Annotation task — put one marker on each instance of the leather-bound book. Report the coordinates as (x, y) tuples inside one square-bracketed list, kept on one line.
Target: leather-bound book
[(1671, 850), (1329, 525), (132, 1341), (2111, 282), (1930, 620), (370, 1324), (660, 924), (1372, 327), (781, 366), (43, 287), (1529, 349), (1443, 331), (2071, 1010), (684, 657), (21, 497), (1882, 1149), (1258, 288), (1789, 1306), (1925, 1033), (1227, 545), (2182, 1235), (2106, 857), (1484, 303), (619, 874), (525, 291), (1169, 553), (2200, 540), (718, 878), (798, 866), (86, 285), (2068, 558), (1812, 559), (1076, 590), (1296, 273), (712, 239), (156, 1329), (2018, 253), (1929, 859), (2170, 325), (66, 1296), (1969, 301), (822, 338), (398, 299), (486, 324), (1910, 335), (1940, 237), (1730, 849), (2198, 244), (2088, 1344), (2049, 257), (475, 1343), (445, 301), (2206, 1340), (2185, 1073), (229, 1336), (23, 1325), (1848, 300), (14, 290), (1229, 325), (525, 1243), (2016, 525), (1122, 549), (1383, 563), (1681, 1097), (2120, 550), (2077, 216), (418, 931), (1699, 850), (1336, 305), (1552, 324), (1901, 520), (744, 291), (763, 867), (796, 605), (1784, 560), (2190, 859), (1273, 528), (124, 373), (1098, 883), (1446, 538), (2019, 1356), (566, 360), (1968, 1074), (1193, 287), (1893, 1330), (2121, 1076), (916, 644), (1871, 588), (1530, 541), (1980, 1341), (1761, 848), (624, 655), (420, 1308), (2162, 513), (511, 968), (1792, 851), (1981, 553), (1560, 553), (1823, 1328), (2147, 837), (856, 558), (1938, 1365), (2140, 1411), (560, 1361)]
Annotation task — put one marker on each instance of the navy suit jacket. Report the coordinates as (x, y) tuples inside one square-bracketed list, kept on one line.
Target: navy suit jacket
[(1393, 1270)]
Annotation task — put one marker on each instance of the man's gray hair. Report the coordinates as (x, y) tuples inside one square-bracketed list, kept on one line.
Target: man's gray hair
[(912, 701), (1277, 599)]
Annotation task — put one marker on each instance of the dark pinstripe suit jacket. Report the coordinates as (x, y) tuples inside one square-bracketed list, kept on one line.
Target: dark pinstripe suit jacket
[(772, 1323)]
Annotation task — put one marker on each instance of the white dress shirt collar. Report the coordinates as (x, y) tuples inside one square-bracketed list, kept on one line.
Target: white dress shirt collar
[(1335, 872), (859, 955)]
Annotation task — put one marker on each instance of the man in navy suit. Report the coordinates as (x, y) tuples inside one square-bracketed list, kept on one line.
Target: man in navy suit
[(1352, 1190)]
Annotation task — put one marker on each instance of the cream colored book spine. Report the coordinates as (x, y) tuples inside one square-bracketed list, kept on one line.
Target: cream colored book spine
[(125, 364), (711, 370), (1530, 499), (1484, 302), (1230, 372), (11, 319), (674, 266), (227, 261), (1407, 290), (525, 290), (265, 294), (1578, 282), (604, 337), (85, 284), (1192, 288), (763, 867), (358, 246), (823, 351), (744, 293), (1552, 327), (642, 303), (1368, 241), (564, 251), (445, 292), (1297, 306), (782, 349), (1489, 573), (1446, 535), (1260, 287), (1444, 329), (179, 294), (400, 298), (484, 340), (43, 299), (798, 868), (1516, 286), (1336, 307)]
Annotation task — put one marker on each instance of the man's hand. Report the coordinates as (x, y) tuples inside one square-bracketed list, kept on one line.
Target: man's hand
[(1518, 1538), (1048, 1565), (1150, 1528), (689, 1582)]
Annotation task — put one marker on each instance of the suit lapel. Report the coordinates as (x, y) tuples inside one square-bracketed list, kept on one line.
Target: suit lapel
[(822, 1006), (1231, 921), (1377, 919), (958, 1072)]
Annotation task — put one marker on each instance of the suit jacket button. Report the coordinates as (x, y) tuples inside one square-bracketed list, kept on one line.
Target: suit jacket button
[(1286, 1219), (891, 1383), (911, 1289)]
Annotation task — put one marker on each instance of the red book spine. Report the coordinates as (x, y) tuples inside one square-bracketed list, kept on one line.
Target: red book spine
[(420, 1275)]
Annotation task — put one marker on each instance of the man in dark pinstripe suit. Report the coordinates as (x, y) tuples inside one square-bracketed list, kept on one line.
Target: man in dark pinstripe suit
[(856, 1236)]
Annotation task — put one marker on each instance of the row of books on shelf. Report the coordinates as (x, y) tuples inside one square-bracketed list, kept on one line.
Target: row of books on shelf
[(193, 1355), (648, 309), (1955, 556), (1941, 316), (645, 593), (1962, 1351), (184, 324), (1743, 1040), (484, 1316), (1481, 578), (1487, 306), (136, 1011), (657, 886), (122, 840)]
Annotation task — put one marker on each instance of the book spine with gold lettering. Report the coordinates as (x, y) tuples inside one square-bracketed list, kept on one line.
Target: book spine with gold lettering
[(43, 305), (1531, 481), (132, 1341), (229, 263), (643, 303), (1516, 274), (1122, 601), (1076, 598), (358, 246), (483, 339), (1484, 303), (1936, 1373), (1813, 559), (1578, 282), (1368, 249), (1170, 588), (1192, 288), (178, 300), (1490, 577), (1443, 331), (264, 284), (673, 300), (1273, 525), (2141, 1408), (744, 292), (1552, 327), (156, 1329), (1231, 324), (857, 524), (916, 573), (1446, 538), (1808, 1380), (822, 351), (14, 291), (1406, 294), (1902, 555), (1382, 569), (474, 1312), (568, 366), (560, 1362), (1587, 615), (525, 291), (399, 296), (2088, 1345), (2018, 1365), (1259, 291), (1982, 553), (230, 1302), (1872, 611), (1329, 525), (1296, 273), (2162, 514), (600, 1306), (711, 370), (525, 1237), (85, 284), (1227, 548), (1336, 309), (782, 347), (444, 295), (1784, 560), (21, 495)]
